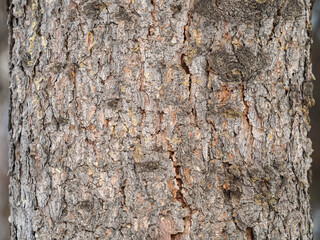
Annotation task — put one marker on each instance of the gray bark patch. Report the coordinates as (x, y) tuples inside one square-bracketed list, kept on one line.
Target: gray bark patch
[(241, 11), (241, 65)]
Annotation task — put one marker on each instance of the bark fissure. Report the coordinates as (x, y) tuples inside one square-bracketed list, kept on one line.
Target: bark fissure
[(154, 19), (187, 72), (184, 65), (180, 198), (249, 234), (186, 39), (245, 116), (186, 26)]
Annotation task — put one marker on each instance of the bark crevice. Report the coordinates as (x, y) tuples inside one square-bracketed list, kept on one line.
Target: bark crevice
[(180, 198), (245, 117), (249, 234)]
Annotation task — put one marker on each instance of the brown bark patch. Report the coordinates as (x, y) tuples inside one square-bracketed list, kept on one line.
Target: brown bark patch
[(249, 234), (223, 95), (166, 228)]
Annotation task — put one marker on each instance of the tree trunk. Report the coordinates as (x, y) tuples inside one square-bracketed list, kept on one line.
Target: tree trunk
[(160, 119)]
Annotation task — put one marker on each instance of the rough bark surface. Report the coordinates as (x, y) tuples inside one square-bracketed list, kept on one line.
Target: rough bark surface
[(160, 119)]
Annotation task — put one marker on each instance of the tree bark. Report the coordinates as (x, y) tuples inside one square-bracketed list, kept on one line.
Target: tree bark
[(160, 119)]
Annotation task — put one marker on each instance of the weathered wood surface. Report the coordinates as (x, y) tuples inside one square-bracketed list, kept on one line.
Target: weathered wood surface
[(160, 119)]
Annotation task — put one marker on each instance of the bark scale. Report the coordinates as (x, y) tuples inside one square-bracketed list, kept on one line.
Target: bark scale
[(160, 119)]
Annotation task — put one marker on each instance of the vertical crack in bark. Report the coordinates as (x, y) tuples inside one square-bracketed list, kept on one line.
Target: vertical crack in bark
[(184, 65), (245, 117), (122, 191), (177, 168), (187, 72), (143, 116), (186, 27), (154, 19), (275, 22), (249, 234), (274, 25), (185, 42), (123, 203), (179, 197)]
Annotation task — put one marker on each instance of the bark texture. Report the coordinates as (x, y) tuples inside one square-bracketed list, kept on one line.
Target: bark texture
[(160, 119)]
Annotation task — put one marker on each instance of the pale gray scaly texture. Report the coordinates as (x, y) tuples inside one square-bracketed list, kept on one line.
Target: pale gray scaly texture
[(160, 119)]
